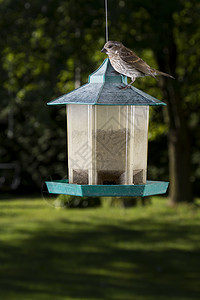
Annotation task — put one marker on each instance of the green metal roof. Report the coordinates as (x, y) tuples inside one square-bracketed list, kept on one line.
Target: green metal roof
[(103, 89)]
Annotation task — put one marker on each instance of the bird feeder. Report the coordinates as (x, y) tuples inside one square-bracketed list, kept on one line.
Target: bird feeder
[(107, 129)]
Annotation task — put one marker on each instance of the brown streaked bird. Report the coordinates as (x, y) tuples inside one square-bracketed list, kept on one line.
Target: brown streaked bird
[(126, 62)]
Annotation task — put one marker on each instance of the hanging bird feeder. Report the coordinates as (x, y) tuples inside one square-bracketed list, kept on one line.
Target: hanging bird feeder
[(107, 131)]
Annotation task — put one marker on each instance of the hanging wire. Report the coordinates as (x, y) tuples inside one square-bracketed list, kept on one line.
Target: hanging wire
[(106, 11)]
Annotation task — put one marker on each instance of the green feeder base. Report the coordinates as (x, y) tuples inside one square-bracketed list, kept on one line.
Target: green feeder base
[(141, 190)]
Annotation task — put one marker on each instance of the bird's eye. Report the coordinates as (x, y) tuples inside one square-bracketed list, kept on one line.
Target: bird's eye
[(110, 46)]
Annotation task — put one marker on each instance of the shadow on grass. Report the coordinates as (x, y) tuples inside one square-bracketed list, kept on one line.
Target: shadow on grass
[(82, 261)]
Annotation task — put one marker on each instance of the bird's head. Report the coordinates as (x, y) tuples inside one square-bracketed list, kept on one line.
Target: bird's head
[(111, 47)]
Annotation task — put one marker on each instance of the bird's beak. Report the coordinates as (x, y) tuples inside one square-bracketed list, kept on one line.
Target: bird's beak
[(103, 50)]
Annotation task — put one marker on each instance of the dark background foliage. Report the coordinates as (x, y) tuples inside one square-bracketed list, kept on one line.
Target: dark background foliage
[(48, 48)]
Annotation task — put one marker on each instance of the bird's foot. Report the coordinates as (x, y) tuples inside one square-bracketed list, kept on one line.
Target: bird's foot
[(115, 72), (121, 87)]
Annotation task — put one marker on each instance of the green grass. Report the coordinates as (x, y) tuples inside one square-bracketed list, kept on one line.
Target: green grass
[(149, 253)]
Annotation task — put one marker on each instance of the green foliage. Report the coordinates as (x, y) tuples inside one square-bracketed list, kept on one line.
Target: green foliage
[(44, 45), (141, 253)]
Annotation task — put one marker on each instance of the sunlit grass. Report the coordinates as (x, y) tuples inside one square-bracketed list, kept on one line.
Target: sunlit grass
[(149, 252)]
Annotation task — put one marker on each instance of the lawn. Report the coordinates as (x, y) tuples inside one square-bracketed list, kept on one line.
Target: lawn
[(150, 252)]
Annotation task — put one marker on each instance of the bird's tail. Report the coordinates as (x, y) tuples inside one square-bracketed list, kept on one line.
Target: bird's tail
[(163, 74)]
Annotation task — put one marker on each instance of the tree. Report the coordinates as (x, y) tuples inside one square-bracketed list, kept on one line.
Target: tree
[(165, 27), (40, 53), (46, 47)]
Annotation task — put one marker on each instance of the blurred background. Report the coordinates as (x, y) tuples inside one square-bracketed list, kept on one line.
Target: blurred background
[(148, 251), (50, 48)]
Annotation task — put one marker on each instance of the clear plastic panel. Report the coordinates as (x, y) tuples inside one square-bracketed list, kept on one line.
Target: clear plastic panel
[(110, 136), (107, 144), (79, 143), (140, 144)]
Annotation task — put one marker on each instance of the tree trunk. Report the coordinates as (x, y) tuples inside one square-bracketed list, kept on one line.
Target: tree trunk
[(178, 146), (178, 137)]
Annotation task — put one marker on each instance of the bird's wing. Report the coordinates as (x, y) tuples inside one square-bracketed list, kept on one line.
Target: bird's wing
[(135, 61)]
